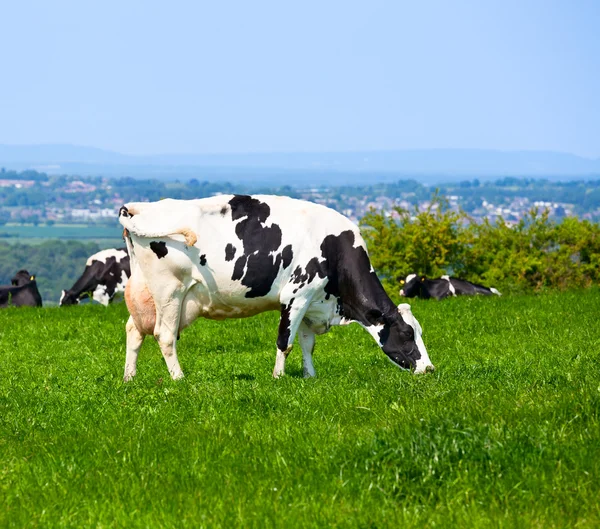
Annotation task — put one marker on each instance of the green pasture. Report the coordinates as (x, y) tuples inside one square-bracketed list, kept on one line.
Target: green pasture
[(505, 433)]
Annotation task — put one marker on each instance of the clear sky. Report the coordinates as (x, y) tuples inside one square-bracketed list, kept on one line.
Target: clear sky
[(149, 77)]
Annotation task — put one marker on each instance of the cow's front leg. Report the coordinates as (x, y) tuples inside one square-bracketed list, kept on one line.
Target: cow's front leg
[(291, 317), (306, 338), (134, 342)]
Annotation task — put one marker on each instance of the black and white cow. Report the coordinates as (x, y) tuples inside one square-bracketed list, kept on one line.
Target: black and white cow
[(22, 292), (421, 287), (105, 275), (236, 256)]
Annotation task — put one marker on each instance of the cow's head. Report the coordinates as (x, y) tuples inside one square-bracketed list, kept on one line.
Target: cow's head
[(401, 341), (22, 277), (411, 286), (68, 298)]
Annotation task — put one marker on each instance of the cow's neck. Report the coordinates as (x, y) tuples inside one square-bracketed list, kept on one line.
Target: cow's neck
[(353, 281), (85, 284), (367, 303)]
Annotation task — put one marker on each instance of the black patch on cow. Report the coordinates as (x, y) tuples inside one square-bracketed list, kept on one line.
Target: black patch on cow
[(362, 298), (259, 264), (229, 252), (203, 260), (238, 269), (305, 276), (124, 212), (287, 256), (283, 336), (159, 248), (223, 211)]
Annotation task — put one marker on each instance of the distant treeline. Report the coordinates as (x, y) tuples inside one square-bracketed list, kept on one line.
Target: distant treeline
[(53, 191), (583, 194), (535, 254)]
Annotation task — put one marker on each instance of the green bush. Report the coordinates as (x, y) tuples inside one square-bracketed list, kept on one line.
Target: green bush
[(535, 254)]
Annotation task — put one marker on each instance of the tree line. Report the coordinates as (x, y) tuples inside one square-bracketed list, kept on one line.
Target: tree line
[(536, 253)]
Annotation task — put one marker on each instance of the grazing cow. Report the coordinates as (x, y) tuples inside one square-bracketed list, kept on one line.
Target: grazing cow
[(421, 287), (22, 292), (236, 256), (105, 275)]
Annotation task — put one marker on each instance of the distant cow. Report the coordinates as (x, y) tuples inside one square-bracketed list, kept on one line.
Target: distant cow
[(421, 287), (233, 256), (22, 277), (22, 292), (105, 275)]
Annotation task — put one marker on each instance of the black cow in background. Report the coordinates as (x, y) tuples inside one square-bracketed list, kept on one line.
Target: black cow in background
[(105, 275), (22, 277), (414, 286), (22, 292)]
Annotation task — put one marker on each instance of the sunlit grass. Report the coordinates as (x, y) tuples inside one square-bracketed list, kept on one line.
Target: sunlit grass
[(505, 433)]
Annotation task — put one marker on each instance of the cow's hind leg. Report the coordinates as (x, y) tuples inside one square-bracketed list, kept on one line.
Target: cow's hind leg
[(306, 338), (168, 302), (165, 332), (291, 317), (134, 342)]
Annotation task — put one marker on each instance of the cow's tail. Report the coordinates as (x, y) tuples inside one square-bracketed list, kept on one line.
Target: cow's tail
[(126, 220), (495, 291)]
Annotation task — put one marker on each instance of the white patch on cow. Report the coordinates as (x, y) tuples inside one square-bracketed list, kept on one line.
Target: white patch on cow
[(62, 296), (450, 285), (100, 295), (103, 255), (120, 287), (495, 291), (410, 277), (423, 363)]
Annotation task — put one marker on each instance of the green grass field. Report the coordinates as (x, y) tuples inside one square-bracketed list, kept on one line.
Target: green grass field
[(505, 433)]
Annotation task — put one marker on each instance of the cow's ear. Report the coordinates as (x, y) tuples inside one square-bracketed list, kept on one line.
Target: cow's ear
[(32, 278), (402, 281), (423, 278)]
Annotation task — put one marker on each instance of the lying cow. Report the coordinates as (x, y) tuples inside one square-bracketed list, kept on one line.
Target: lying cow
[(22, 292), (105, 275), (22, 277), (237, 256), (421, 287)]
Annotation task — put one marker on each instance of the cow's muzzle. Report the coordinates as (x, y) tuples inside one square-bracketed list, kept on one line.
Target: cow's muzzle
[(424, 369)]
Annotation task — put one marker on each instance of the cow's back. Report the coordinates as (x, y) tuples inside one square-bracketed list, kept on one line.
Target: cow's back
[(247, 247)]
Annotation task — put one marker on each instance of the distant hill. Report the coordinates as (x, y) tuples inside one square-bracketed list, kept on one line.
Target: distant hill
[(427, 165)]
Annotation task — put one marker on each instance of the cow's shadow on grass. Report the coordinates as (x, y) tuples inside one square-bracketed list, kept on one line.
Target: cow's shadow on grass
[(294, 372), (243, 376)]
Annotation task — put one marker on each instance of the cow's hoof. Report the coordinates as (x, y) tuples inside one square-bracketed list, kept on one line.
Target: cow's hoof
[(177, 376), (309, 374), (277, 374), (128, 378)]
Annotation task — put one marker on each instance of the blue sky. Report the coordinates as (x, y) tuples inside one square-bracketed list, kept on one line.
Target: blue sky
[(271, 76)]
